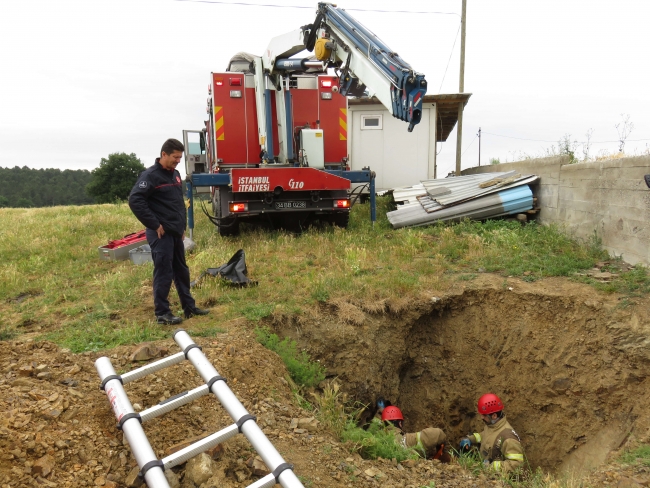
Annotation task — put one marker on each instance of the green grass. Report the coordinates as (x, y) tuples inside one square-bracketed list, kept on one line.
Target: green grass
[(303, 371), (633, 283), (377, 442), (307, 482), (470, 461), (209, 331), (523, 477), (638, 456), (51, 276), (6, 334), (96, 332)]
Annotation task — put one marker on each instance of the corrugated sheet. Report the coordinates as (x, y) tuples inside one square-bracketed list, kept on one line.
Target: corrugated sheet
[(476, 197), (408, 194)]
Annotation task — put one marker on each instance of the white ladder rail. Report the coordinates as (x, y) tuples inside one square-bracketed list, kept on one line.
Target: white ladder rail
[(151, 468)]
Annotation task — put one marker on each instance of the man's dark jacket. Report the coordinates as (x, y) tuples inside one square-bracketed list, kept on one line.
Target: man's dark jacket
[(157, 198)]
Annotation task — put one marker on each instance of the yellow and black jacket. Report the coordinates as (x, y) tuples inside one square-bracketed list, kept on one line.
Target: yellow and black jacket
[(500, 446)]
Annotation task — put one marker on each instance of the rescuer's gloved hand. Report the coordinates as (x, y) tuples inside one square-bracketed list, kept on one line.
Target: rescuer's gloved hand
[(465, 444)]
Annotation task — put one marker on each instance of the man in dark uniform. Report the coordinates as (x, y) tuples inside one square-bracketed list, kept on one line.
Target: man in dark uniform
[(157, 201)]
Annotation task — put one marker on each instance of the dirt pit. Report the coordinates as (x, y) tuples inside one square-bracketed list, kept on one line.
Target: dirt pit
[(570, 364)]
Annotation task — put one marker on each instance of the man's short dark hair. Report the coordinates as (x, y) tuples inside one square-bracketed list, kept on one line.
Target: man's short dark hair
[(172, 145)]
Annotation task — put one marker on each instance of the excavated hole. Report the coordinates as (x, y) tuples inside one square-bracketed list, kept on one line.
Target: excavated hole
[(571, 369)]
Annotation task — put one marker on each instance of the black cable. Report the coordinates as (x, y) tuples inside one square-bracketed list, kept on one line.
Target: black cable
[(470, 144), (450, 55), (215, 220), (360, 189), (312, 8)]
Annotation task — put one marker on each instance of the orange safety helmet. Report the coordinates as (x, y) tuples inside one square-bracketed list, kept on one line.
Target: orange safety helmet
[(391, 413), (489, 403)]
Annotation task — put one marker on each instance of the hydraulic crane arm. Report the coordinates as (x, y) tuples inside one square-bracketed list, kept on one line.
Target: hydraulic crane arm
[(366, 63)]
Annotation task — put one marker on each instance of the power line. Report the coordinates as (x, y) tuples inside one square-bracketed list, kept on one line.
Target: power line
[(470, 144), (350, 9), (579, 142), (312, 8), (519, 138), (450, 54)]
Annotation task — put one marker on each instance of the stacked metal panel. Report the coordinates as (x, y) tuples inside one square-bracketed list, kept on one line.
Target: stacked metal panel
[(477, 197)]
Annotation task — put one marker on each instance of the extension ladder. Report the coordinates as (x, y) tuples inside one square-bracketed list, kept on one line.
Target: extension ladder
[(152, 468)]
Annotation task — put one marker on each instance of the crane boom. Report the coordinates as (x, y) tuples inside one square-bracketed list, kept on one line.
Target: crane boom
[(366, 63)]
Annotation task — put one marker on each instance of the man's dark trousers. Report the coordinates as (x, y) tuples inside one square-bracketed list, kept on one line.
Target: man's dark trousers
[(168, 255)]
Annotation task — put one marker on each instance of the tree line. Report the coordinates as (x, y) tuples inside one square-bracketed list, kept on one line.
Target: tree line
[(110, 182)]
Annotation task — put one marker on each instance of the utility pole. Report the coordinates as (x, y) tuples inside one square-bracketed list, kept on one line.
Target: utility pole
[(479, 146), (461, 89)]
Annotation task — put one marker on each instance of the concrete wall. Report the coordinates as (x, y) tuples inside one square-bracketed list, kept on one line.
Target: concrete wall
[(608, 197)]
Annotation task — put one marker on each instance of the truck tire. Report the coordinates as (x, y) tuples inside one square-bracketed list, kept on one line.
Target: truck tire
[(230, 225), (341, 220)]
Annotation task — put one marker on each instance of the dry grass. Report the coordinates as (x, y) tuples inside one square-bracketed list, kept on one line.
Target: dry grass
[(52, 281)]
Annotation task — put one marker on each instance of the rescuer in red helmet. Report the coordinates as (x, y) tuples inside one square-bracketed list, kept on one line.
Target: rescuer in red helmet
[(500, 446), (429, 443)]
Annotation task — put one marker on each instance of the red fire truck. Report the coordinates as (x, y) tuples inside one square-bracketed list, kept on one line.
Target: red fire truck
[(274, 147)]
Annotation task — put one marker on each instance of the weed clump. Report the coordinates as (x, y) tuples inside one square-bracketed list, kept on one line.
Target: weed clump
[(638, 456), (302, 369), (377, 441), (7, 334)]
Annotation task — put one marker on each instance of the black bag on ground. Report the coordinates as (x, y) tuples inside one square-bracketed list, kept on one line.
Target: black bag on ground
[(234, 271)]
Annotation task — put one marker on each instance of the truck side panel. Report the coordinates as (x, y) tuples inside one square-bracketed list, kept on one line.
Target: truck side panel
[(332, 114), (252, 136), (305, 104), (229, 113)]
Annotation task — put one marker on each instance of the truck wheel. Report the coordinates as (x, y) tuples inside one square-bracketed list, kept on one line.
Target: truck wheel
[(229, 228), (341, 220)]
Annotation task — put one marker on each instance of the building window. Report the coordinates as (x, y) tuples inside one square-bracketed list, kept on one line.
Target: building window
[(371, 122)]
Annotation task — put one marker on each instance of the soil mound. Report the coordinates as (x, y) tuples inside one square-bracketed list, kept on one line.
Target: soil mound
[(58, 430), (571, 364)]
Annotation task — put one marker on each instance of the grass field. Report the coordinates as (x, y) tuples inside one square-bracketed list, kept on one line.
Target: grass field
[(52, 282)]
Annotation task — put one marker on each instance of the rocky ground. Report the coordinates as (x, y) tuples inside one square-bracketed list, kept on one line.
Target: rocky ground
[(57, 427), (581, 351)]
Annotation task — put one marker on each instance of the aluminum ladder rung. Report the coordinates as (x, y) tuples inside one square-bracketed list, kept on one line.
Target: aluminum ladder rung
[(152, 468), (173, 402), (267, 482), (163, 363), (198, 447)]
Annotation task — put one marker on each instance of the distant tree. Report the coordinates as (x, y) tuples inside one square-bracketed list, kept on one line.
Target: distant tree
[(115, 177), (24, 203), (44, 187), (4, 202), (495, 161)]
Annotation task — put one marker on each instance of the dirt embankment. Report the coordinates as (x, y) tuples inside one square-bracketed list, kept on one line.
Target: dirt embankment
[(572, 365), (57, 428)]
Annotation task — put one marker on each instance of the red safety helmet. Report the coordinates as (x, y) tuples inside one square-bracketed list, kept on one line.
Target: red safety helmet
[(489, 403), (391, 413)]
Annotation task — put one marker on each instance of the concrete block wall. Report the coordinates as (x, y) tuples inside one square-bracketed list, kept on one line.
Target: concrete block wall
[(605, 198)]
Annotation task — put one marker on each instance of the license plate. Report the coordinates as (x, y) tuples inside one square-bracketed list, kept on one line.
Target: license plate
[(290, 205)]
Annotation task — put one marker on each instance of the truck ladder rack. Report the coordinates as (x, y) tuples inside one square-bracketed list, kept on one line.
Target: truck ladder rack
[(152, 468)]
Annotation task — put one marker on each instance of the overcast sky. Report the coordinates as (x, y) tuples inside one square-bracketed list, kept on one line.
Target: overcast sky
[(80, 79)]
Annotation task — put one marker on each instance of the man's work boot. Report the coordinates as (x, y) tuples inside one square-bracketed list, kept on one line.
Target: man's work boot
[(169, 319), (190, 312)]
